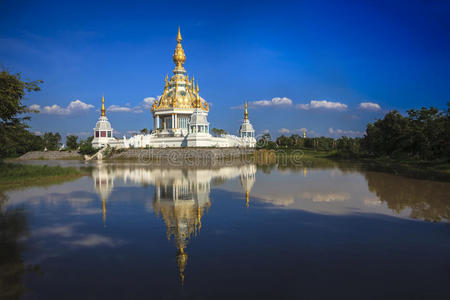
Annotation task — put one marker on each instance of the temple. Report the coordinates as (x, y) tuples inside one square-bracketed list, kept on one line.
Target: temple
[(180, 117)]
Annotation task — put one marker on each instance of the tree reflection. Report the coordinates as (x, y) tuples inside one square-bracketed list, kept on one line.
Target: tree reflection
[(13, 227), (428, 200)]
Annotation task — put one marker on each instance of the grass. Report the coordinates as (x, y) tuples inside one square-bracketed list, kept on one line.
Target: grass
[(20, 174)]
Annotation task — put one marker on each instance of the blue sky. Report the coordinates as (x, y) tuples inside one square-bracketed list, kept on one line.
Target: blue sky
[(327, 66)]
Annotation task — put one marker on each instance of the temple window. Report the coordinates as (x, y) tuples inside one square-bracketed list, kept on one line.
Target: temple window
[(103, 133), (109, 133), (96, 133)]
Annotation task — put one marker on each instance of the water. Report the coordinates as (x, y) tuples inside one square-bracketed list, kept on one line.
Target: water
[(131, 231)]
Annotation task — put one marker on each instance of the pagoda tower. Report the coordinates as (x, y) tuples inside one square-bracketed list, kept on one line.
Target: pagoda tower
[(172, 112), (246, 130), (103, 132)]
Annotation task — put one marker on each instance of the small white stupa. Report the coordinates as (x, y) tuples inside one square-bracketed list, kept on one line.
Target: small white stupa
[(198, 135), (246, 131), (103, 132)]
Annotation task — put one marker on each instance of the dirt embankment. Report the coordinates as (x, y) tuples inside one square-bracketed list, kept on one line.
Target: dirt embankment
[(50, 155)]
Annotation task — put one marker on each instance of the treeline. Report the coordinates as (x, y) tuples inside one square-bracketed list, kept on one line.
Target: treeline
[(18, 141), (422, 134), (15, 138)]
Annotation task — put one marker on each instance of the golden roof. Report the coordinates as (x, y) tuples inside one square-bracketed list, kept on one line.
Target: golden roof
[(179, 91)]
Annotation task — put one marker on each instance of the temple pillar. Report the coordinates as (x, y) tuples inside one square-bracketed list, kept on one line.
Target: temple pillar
[(157, 122)]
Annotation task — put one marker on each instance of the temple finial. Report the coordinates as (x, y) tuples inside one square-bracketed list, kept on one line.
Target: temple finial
[(245, 112), (179, 38), (103, 105), (178, 56)]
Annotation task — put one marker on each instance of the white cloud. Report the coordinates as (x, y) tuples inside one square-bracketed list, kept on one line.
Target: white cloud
[(283, 130), (300, 130), (277, 101), (369, 106), (148, 102), (145, 105), (340, 132), (325, 104), (118, 108), (55, 109)]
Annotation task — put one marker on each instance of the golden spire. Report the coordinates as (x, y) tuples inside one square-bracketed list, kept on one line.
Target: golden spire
[(193, 83), (304, 133), (247, 198), (245, 112), (178, 55), (198, 101), (179, 38), (103, 105)]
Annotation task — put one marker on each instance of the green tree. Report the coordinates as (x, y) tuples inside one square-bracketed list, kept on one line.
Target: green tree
[(52, 141), (265, 142), (422, 134), (71, 142), (429, 134), (389, 136), (144, 131), (15, 139), (283, 141), (349, 147), (86, 146), (218, 131)]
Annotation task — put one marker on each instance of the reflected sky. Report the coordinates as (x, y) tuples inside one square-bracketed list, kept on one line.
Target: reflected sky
[(131, 230)]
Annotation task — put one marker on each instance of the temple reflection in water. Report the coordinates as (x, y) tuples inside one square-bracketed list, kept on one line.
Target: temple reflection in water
[(181, 196)]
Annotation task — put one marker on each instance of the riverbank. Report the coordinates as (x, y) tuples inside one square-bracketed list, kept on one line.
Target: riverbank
[(210, 157), (430, 170), (51, 155), (21, 174), (187, 157)]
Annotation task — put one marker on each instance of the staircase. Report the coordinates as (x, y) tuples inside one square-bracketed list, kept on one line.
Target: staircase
[(98, 155)]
